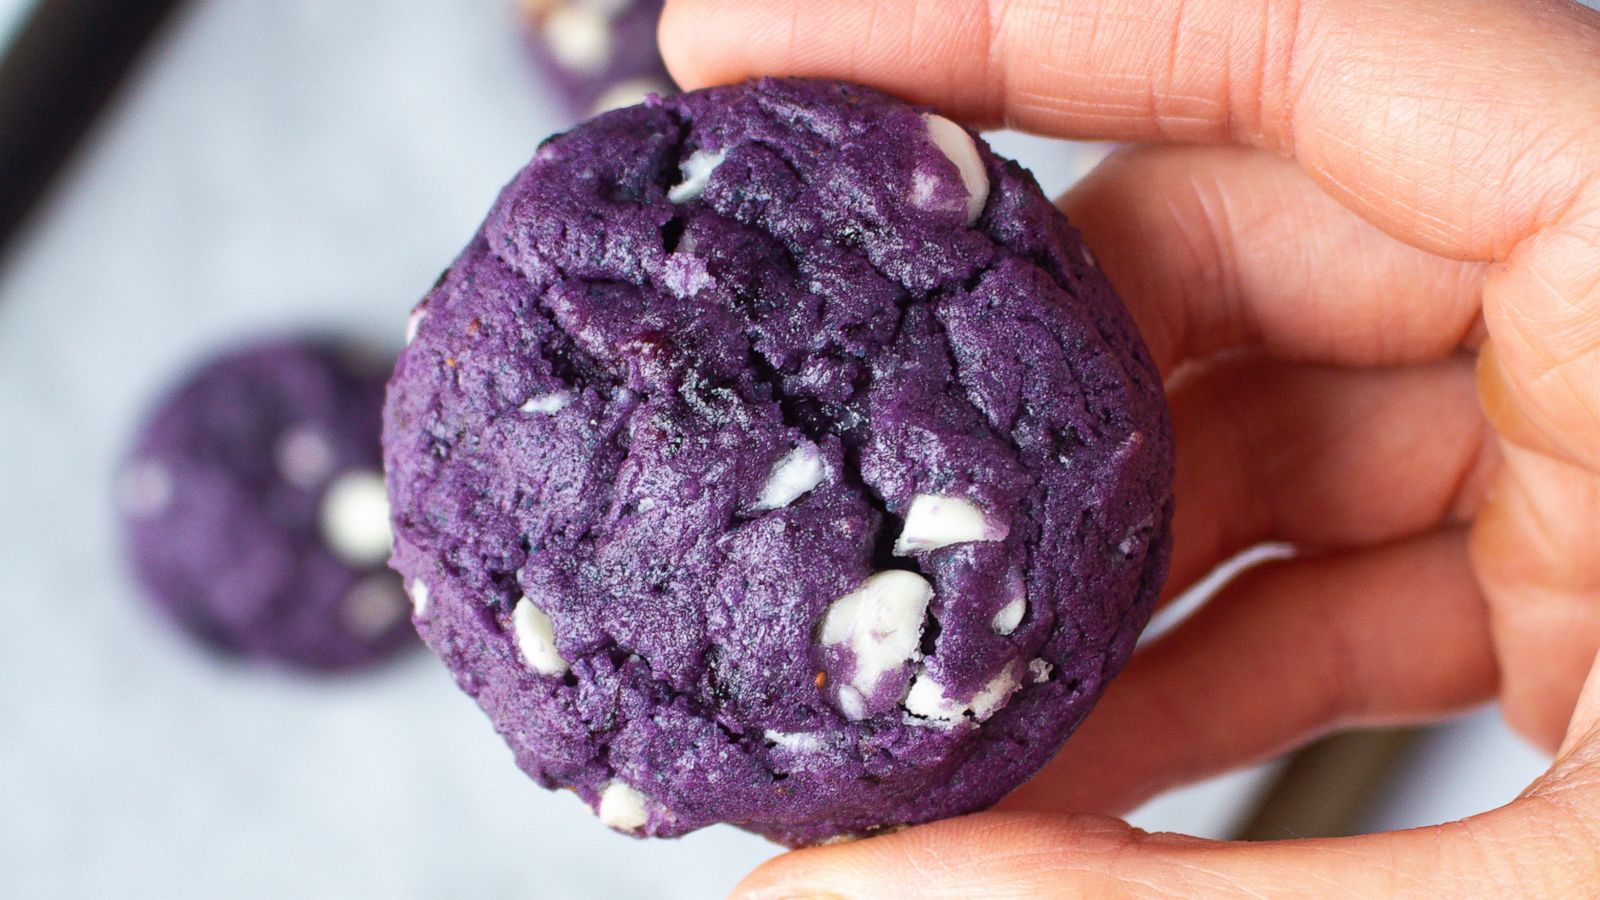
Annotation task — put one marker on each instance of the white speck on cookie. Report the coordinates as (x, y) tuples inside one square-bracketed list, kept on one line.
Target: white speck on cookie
[(794, 741), (548, 404), (355, 518), (697, 170), (419, 597), (536, 638), (1040, 670)]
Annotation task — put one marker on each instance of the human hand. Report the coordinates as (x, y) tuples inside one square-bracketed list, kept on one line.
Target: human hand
[(1375, 291)]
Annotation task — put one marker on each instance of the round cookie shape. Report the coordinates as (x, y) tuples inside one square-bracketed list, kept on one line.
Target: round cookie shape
[(598, 55), (775, 454), (254, 511)]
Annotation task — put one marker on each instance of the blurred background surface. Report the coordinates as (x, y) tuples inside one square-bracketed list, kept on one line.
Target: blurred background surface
[(278, 163)]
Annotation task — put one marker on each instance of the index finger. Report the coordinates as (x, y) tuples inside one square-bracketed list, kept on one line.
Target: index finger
[(1460, 126)]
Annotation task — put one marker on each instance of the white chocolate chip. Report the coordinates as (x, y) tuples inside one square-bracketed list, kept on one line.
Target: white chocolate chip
[(355, 518), (145, 489), (934, 521), (954, 142), (852, 704), (622, 807), (796, 474), (414, 321), (1040, 670), (697, 171), (928, 699), (304, 456), (549, 404), (1010, 616), (373, 606), (579, 38), (997, 692), (880, 622), (794, 741), (419, 597), (536, 638), (632, 92)]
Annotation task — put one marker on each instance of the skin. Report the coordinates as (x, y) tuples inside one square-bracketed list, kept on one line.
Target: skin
[(1363, 241)]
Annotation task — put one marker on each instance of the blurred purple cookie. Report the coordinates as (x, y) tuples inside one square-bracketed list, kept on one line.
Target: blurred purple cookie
[(599, 55), (777, 455), (254, 510)]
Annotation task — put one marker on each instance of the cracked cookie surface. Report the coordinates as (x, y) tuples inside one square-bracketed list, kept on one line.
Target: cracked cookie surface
[(776, 455)]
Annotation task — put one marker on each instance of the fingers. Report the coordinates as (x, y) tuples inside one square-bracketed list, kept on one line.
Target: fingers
[(1544, 844), (1217, 247), (1584, 730), (1462, 126), (1536, 546), (1537, 543), (1320, 456), (1291, 650), (1022, 855)]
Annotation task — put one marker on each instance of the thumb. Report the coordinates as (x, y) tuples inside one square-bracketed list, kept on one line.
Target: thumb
[(1034, 855), (1546, 843)]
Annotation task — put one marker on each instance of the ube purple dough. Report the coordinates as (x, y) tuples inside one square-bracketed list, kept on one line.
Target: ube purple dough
[(597, 55), (254, 513), (775, 454)]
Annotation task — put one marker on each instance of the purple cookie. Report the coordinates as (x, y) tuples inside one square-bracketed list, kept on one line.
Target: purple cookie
[(777, 455), (599, 55), (254, 508)]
